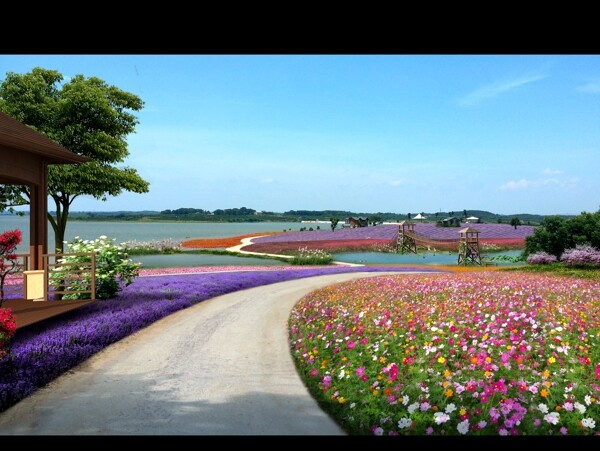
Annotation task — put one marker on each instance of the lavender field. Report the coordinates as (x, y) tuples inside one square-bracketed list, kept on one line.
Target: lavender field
[(390, 232)]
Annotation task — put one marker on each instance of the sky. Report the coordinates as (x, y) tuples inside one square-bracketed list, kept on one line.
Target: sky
[(366, 133)]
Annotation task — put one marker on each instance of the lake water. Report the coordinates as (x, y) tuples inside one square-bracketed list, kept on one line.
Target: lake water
[(158, 231), (148, 231), (425, 258), (181, 231)]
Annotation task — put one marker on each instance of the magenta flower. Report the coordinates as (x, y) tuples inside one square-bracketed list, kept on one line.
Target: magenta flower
[(598, 371)]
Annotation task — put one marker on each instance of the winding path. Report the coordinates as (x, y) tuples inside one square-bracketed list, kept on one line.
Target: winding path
[(221, 367)]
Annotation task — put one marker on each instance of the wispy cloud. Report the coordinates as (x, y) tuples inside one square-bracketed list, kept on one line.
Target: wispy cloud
[(495, 89), (267, 181), (592, 87), (549, 171), (396, 182), (523, 184)]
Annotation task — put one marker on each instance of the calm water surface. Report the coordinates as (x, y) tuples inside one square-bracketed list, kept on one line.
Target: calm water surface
[(181, 231), (146, 231)]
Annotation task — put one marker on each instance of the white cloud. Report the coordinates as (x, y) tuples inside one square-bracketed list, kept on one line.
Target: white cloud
[(495, 89), (590, 88), (522, 184), (516, 185), (396, 182), (549, 171), (267, 181)]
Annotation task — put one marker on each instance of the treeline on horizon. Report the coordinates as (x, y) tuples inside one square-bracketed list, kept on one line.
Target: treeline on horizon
[(244, 214)]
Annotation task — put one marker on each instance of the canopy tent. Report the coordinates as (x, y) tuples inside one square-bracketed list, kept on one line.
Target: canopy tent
[(420, 216), (472, 219)]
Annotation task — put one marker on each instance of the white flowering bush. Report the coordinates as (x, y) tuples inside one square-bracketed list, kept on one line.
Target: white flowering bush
[(306, 256), (114, 268)]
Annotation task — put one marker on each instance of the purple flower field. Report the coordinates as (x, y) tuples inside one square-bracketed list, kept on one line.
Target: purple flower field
[(390, 232)]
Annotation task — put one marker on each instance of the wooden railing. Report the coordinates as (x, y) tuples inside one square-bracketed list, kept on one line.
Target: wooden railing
[(67, 279)]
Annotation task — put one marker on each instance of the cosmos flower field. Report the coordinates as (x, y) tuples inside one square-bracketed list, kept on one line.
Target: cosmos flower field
[(447, 352), (486, 353)]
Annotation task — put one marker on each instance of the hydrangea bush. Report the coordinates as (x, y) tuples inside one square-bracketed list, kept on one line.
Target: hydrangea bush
[(114, 268)]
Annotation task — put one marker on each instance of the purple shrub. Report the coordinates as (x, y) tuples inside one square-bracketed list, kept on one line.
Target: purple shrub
[(541, 258), (581, 255), (41, 352)]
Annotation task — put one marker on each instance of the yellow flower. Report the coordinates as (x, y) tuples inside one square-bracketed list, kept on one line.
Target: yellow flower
[(341, 400), (551, 360), (544, 393), (448, 393), (545, 374), (441, 360)]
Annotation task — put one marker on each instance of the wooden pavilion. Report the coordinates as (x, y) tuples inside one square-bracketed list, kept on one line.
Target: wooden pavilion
[(24, 158)]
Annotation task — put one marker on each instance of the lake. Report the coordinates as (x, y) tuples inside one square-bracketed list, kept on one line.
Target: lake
[(422, 258), (181, 231), (158, 231), (148, 231)]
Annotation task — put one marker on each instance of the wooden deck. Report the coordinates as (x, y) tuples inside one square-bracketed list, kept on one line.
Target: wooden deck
[(30, 312)]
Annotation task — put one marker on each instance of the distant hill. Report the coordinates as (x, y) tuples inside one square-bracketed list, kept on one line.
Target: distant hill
[(244, 214)]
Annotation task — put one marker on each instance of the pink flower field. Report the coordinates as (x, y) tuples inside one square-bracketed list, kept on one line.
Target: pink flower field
[(486, 353)]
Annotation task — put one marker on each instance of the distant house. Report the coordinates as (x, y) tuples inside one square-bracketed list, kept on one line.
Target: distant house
[(356, 222)]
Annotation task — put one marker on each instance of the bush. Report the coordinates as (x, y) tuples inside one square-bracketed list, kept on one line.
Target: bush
[(541, 258), (8, 327), (306, 256), (581, 255), (114, 268)]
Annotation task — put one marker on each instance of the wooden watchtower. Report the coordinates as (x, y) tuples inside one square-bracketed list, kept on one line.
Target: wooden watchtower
[(468, 249), (406, 241)]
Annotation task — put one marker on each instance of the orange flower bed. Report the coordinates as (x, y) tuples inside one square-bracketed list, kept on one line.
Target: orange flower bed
[(217, 243)]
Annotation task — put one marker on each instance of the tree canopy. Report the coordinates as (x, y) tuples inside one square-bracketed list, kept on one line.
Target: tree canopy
[(86, 116)]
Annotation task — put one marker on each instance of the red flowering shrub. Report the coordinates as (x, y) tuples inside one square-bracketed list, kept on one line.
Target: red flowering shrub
[(9, 241), (8, 327)]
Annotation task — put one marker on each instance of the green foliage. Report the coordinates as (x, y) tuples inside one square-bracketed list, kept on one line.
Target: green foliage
[(557, 234), (334, 223), (86, 116), (114, 268)]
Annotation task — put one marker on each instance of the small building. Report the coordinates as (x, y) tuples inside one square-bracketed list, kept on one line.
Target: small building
[(356, 222), (451, 221)]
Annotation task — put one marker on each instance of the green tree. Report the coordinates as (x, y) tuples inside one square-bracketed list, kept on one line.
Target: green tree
[(334, 223), (515, 222), (86, 116), (551, 236), (376, 219)]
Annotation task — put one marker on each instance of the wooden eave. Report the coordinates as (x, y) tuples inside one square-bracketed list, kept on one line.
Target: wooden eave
[(18, 136)]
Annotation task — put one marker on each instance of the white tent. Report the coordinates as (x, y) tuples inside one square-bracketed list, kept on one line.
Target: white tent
[(472, 219), (419, 216)]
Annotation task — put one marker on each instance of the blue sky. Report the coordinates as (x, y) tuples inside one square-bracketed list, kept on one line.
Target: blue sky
[(508, 134)]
